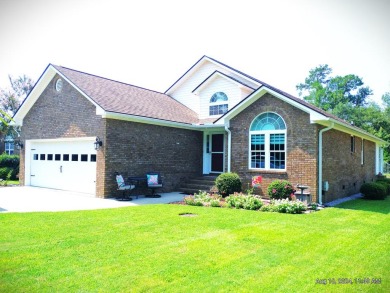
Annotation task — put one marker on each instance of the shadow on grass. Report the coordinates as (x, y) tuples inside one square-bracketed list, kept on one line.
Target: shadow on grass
[(376, 206)]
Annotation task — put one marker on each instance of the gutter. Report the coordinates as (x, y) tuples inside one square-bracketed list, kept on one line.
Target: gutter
[(229, 145), (320, 161)]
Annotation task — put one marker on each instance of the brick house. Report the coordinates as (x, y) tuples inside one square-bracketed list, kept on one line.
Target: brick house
[(213, 119)]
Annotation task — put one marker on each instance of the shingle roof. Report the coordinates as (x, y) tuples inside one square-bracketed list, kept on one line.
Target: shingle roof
[(118, 97)]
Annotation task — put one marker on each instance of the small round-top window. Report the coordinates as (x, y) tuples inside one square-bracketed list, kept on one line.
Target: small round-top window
[(59, 85)]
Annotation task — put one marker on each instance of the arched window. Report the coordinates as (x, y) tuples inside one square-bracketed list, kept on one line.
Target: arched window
[(218, 104), (268, 142)]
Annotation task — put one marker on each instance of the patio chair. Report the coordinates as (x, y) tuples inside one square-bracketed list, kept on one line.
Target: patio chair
[(123, 187), (154, 181)]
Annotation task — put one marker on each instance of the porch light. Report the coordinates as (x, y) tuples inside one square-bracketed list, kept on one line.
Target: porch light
[(98, 143), (18, 144)]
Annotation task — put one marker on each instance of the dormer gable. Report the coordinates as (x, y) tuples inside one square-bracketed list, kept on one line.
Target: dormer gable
[(218, 93), (206, 77)]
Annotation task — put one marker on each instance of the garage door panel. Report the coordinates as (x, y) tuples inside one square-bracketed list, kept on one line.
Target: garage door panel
[(69, 165)]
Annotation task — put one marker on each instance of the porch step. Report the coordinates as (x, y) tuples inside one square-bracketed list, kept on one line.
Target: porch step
[(194, 185)]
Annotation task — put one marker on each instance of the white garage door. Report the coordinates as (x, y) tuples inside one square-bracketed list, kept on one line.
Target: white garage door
[(66, 165)]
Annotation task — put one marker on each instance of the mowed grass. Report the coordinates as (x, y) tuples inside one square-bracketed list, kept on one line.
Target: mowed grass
[(154, 249)]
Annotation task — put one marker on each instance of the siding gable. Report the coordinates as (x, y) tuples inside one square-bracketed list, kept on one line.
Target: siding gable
[(218, 84), (192, 94)]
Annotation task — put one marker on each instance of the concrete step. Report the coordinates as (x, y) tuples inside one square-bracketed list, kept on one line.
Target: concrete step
[(201, 186)]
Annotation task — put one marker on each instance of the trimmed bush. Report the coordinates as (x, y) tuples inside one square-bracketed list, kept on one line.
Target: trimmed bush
[(9, 164), (279, 189), (228, 183), (385, 182), (373, 191)]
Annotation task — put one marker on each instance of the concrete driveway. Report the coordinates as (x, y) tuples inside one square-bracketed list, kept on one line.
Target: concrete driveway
[(36, 199)]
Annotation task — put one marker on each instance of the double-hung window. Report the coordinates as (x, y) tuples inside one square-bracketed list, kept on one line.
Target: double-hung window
[(268, 142), (9, 145), (218, 104)]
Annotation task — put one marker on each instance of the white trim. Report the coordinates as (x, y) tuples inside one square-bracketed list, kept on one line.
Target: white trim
[(320, 161), (229, 146), (362, 153), (207, 155), (199, 64), (65, 139), (260, 93), (378, 159), (215, 75), (267, 151), (351, 130)]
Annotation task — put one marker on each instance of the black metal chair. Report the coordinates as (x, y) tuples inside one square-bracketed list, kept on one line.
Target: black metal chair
[(154, 181), (122, 186)]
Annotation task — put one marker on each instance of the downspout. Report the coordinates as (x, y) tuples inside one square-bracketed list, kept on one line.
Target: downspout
[(320, 161), (229, 145)]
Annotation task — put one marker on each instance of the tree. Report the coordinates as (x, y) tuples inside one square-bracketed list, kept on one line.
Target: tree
[(331, 93), (10, 100), (347, 98)]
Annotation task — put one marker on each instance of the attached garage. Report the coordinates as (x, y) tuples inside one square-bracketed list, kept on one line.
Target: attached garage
[(66, 164)]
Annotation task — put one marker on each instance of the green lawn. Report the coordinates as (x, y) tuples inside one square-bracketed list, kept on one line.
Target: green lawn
[(154, 249), (9, 182)]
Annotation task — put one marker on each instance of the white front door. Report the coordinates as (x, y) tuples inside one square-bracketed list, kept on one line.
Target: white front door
[(67, 165)]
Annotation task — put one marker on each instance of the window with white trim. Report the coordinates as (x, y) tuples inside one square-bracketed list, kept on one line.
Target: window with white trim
[(268, 142), (218, 104), (9, 145)]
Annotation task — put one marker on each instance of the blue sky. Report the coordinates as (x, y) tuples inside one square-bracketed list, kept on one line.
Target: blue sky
[(152, 43)]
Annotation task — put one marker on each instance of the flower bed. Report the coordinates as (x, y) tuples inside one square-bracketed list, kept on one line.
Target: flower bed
[(246, 201)]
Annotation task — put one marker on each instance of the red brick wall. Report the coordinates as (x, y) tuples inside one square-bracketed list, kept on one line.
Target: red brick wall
[(133, 149), (342, 168), (301, 145)]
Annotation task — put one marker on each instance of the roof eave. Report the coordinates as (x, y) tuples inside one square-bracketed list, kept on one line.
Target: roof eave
[(211, 60), (349, 129), (155, 121)]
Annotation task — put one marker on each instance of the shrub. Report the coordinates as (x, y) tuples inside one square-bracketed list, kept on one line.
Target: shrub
[(190, 200), (373, 190), (203, 199), (228, 183), (9, 163), (269, 208), (287, 206), (385, 182), (244, 201), (7, 173), (279, 189)]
